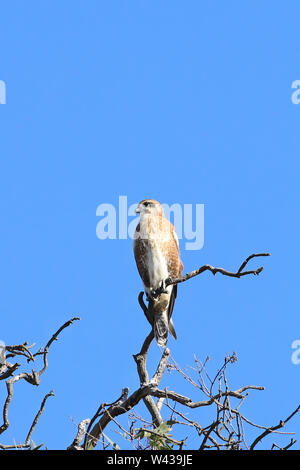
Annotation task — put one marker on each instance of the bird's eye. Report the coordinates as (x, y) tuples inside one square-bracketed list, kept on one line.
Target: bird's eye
[(146, 204)]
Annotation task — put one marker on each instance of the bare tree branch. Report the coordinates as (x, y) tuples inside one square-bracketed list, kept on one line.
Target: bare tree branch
[(239, 273), (32, 378), (80, 435), (37, 417), (273, 429), (54, 338)]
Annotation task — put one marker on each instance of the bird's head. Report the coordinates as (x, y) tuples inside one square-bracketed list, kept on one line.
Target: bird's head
[(150, 207)]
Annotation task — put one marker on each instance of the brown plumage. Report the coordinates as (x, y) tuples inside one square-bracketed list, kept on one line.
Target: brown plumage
[(156, 251)]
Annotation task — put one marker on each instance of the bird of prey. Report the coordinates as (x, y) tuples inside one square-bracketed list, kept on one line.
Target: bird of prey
[(156, 251)]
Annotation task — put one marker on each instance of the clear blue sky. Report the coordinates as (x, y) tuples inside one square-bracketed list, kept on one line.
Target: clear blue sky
[(186, 102)]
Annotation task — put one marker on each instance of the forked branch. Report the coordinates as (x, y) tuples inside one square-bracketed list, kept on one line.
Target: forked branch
[(207, 267), (8, 370)]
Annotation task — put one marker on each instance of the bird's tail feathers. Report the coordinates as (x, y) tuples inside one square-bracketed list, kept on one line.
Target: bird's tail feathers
[(161, 328), (161, 312)]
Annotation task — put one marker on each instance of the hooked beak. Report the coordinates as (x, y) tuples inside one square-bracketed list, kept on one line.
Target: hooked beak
[(137, 210)]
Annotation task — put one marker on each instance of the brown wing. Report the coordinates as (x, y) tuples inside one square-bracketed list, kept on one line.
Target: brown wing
[(175, 266), (140, 254), (170, 246), (170, 310)]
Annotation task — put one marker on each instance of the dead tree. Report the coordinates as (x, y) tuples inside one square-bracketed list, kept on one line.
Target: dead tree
[(225, 431)]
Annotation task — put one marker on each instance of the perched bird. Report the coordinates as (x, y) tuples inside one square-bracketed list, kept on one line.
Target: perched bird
[(156, 251)]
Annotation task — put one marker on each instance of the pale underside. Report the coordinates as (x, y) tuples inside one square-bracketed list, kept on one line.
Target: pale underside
[(156, 251)]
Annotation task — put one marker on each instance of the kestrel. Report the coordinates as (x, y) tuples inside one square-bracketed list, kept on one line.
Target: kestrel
[(156, 251)]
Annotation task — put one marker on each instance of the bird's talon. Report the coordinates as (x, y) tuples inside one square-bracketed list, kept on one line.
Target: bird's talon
[(151, 295), (163, 287)]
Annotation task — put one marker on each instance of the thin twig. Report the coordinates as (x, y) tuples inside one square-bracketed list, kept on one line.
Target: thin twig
[(37, 417), (273, 428)]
